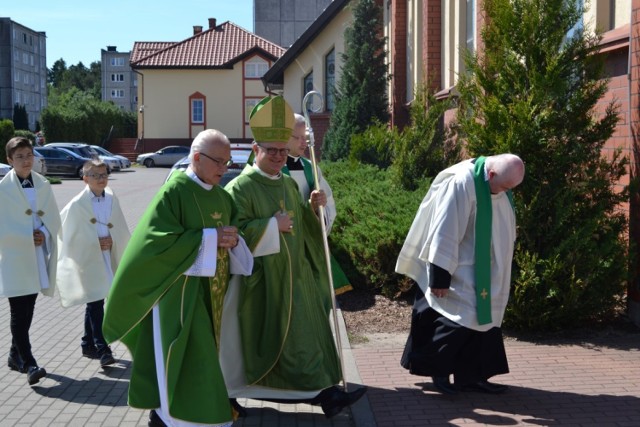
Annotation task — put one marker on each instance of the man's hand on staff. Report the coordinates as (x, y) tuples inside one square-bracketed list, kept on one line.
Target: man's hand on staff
[(227, 236), (318, 198), (285, 224)]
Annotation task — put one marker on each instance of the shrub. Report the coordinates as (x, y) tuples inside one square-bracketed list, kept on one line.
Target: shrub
[(374, 146), (6, 133), (371, 224), (26, 134)]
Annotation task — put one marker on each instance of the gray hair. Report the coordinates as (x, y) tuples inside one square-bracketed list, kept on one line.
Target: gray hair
[(204, 138)]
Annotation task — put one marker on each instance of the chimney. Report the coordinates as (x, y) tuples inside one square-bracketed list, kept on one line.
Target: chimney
[(111, 48), (212, 23), (197, 29)]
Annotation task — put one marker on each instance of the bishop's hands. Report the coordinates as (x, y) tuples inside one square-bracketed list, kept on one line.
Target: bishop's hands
[(285, 223), (227, 236)]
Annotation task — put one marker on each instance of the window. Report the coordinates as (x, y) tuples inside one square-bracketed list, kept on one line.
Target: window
[(25, 58), (25, 79), (16, 56), (16, 77), (117, 93), (330, 79), (24, 38), (117, 77), (197, 110), (471, 25), (31, 59), (248, 107), (307, 83), (255, 68), (117, 62)]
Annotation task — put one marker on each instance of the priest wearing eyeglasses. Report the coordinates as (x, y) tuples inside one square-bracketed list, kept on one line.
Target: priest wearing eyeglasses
[(277, 342)]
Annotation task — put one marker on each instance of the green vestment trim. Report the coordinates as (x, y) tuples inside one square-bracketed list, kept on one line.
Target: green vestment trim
[(482, 243)]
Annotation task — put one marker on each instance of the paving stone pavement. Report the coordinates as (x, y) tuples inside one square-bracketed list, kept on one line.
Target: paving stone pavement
[(76, 390), (590, 382)]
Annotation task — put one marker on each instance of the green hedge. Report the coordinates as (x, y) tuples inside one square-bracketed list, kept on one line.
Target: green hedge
[(373, 219)]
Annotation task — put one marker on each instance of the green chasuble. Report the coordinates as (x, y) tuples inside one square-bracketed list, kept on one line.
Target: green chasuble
[(284, 305), (163, 246)]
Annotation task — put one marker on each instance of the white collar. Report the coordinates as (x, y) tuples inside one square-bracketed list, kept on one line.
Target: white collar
[(191, 174), (266, 175)]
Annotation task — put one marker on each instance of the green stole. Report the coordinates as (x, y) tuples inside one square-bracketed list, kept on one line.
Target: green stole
[(484, 213), (482, 243)]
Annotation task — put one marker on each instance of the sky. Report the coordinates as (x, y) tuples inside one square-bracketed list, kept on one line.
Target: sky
[(78, 29)]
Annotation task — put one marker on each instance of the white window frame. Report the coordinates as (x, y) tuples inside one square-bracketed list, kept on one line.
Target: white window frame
[(117, 93), (255, 68), (197, 110), (117, 77), (117, 61)]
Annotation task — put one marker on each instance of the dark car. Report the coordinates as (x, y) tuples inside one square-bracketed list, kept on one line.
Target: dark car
[(60, 161), (239, 154), (80, 148)]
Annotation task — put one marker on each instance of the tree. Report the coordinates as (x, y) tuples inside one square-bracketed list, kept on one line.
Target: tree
[(79, 116), (20, 117), (533, 92), (361, 94), (62, 78)]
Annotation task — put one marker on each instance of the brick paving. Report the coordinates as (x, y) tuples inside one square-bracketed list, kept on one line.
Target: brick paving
[(571, 383)]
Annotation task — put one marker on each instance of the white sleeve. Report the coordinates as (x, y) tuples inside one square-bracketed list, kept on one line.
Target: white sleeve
[(205, 263), (270, 242)]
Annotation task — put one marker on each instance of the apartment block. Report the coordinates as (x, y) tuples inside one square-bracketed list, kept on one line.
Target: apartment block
[(23, 70), (283, 21), (119, 81)]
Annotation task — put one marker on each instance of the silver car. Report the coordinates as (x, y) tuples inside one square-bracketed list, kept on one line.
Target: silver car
[(166, 156), (103, 152)]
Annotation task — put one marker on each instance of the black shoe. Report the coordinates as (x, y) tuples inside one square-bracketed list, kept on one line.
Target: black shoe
[(242, 412), (485, 386), (15, 364), (90, 352), (155, 420), (34, 374), (443, 385), (336, 400), (107, 359)]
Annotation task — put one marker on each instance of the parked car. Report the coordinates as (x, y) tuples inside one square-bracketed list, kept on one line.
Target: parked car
[(39, 164), (164, 157), (4, 169), (61, 161), (124, 162), (85, 150), (239, 154)]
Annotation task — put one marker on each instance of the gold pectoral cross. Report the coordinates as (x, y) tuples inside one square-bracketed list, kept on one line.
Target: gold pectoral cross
[(484, 293), (291, 214)]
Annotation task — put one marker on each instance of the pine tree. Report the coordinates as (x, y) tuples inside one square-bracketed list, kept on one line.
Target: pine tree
[(532, 91), (361, 93), (20, 117)]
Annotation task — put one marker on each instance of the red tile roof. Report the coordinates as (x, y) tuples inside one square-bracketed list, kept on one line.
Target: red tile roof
[(218, 47)]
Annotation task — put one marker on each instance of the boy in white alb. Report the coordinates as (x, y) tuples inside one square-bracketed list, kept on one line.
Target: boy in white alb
[(28, 230), (93, 238)]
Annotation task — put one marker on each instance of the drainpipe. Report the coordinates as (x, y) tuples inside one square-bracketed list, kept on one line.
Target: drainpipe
[(140, 110)]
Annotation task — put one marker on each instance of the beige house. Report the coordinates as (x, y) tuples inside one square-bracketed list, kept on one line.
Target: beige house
[(210, 80), (313, 62)]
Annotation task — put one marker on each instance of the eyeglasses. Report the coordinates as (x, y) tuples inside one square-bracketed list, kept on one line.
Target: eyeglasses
[(98, 175), (273, 151), (218, 162), (22, 158), (299, 138)]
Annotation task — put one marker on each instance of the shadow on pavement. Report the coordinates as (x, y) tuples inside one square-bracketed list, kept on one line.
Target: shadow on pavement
[(96, 391), (518, 406)]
